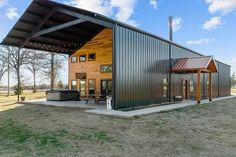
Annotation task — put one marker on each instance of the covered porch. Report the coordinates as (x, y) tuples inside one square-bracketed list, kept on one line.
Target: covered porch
[(57, 28), (197, 65)]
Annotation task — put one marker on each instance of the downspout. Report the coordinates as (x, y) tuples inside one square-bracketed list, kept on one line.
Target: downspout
[(170, 56)]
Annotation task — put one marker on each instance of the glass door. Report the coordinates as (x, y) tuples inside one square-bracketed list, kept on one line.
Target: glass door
[(106, 87), (82, 87)]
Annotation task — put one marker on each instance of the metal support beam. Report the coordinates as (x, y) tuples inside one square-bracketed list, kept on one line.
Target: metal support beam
[(38, 27), (87, 18), (199, 86), (210, 86), (58, 27)]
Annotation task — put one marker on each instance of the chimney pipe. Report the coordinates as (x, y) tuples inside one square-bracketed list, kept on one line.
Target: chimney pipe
[(170, 28)]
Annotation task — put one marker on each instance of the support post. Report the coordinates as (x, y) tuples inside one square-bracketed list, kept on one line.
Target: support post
[(8, 74), (199, 86), (210, 86)]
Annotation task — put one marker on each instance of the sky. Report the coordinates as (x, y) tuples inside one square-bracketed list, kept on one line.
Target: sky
[(206, 26)]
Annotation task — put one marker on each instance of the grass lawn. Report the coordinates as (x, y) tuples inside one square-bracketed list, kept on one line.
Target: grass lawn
[(13, 98), (42, 131), (233, 90)]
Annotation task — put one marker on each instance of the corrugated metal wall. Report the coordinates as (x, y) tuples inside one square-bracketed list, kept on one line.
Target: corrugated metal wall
[(141, 63)]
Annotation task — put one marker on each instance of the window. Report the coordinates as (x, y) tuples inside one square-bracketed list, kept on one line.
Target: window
[(106, 68), (73, 59), (92, 57), (73, 85), (82, 58), (191, 86), (91, 86), (165, 87)]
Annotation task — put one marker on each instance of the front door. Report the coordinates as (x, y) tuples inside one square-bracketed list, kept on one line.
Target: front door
[(82, 87), (106, 87), (185, 89)]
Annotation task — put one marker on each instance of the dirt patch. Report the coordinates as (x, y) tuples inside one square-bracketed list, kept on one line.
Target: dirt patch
[(201, 130)]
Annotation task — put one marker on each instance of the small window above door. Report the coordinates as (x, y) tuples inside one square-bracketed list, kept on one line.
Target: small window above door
[(82, 58), (92, 56)]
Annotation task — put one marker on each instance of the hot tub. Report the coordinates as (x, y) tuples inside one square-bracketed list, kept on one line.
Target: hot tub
[(62, 95)]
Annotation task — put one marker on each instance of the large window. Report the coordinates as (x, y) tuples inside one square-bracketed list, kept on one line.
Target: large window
[(91, 86), (106, 68), (191, 86), (73, 59), (82, 58), (92, 56), (165, 87), (73, 85)]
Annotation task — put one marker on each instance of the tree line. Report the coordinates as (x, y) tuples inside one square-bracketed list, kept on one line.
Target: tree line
[(45, 64)]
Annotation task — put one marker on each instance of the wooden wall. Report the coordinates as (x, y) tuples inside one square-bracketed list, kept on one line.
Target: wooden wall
[(101, 44)]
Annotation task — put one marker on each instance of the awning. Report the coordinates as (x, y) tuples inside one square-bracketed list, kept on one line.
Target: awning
[(193, 65), (54, 27)]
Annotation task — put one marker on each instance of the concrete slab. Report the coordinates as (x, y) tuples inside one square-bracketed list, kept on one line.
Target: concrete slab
[(79, 104), (129, 114)]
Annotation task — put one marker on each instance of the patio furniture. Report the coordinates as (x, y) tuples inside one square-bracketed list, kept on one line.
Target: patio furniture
[(62, 95), (96, 97)]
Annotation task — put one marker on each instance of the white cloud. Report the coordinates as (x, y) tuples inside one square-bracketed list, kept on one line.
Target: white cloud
[(177, 24), (200, 41), (98, 6), (212, 23), (153, 3), (122, 10), (2, 2), (222, 6), (12, 13), (125, 8)]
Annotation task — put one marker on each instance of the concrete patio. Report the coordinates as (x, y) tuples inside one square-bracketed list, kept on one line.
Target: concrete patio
[(100, 109), (80, 104)]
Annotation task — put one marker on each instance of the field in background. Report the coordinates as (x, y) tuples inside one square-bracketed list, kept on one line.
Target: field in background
[(233, 90), (27, 94)]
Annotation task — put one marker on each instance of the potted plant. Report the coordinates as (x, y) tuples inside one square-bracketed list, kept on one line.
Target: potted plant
[(22, 98)]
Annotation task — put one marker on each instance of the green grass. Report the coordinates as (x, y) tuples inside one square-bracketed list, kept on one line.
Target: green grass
[(19, 138), (94, 136)]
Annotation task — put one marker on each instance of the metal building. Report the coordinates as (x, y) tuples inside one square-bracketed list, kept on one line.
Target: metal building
[(142, 63)]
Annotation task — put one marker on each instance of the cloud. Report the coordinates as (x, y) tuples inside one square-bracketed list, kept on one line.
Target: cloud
[(12, 13), (177, 24), (200, 41), (153, 3), (2, 2), (122, 10), (125, 8), (98, 6), (212, 23), (222, 6)]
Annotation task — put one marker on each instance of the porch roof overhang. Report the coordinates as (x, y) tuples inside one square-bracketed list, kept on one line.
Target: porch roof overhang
[(205, 64), (54, 27)]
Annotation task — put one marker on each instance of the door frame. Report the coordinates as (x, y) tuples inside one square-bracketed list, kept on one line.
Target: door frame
[(185, 89), (106, 84)]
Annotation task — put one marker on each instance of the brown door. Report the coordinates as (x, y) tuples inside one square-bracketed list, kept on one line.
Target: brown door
[(185, 89)]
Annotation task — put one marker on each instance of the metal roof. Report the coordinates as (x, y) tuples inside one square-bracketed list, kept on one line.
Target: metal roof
[(50, 26), (192, 65), (55, 27)]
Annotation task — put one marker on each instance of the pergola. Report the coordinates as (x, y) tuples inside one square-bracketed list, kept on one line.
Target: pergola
[(198, 65)]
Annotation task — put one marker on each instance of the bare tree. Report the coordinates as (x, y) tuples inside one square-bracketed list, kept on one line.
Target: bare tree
[(3, 69), (52, 66), (35, 64), (17, 57)]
